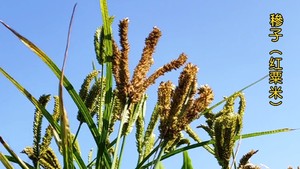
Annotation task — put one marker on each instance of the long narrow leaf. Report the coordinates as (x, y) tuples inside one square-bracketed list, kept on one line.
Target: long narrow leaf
[(187, 162), (43, 110), (108, 52), (33, 100), (65, 127), (244, 136), (5, 161), (222, 101), (78, 159), (13, 154), (77, 100), (160, 165), (12, 159), (262, 133)]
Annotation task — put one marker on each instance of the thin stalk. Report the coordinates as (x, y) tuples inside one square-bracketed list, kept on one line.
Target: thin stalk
[(77, 132), (112, 143), (150, 154), (119, 135), (121, 152), (220, 102), (147, 157), (177, 151), (100, 120), (12, 159), (160, 154), (5, 161), (65, 130), (13, 154), (234, 154)]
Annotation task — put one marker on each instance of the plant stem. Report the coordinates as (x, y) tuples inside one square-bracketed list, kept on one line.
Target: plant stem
[(147, 157), (77, 132), (119, 134), (100, 115), (121, 152), (160, 154)]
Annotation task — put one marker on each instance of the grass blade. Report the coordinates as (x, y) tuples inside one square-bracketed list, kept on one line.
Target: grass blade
[(47, 115), (262, 133), (160, 166), (220, 102), (168, 155), (192, 146), (108, 52), (5, 161), (12, 159), (187, 162), (34, 101), (77, 100), (13, 154), (65, 127)]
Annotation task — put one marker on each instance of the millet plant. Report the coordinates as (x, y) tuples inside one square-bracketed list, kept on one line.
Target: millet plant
[(109, 95)]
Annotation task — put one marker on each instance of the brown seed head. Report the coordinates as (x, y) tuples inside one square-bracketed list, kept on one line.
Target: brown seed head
[(186, 79), (146, 60), (206, 96)]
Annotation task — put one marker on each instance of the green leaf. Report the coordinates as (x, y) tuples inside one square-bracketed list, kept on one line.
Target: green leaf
[(37, 125), (34, 101), (68, 86), (107, 52), (196, 145), (14, 160), (5, 161), (222, 101), (66, 138), (187, 162), (13, 154), (160, 166), (47, 115), (262, 133)]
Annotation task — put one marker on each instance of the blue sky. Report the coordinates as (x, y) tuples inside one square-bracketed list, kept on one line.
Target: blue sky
[(227, 40)]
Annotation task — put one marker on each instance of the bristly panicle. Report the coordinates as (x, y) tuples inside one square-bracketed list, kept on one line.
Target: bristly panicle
[(173, 65), (227, 125), (206, 96), (90, 93), (37, 124), (83, 93), (120, 61), (116, 112), (178, 107), (245, 163), (186, 84), (47, 159), (117, 71), (123, 33), (165, 94), (41, 153), (134, 89), (140, 125), (146, 60), (49, 130)]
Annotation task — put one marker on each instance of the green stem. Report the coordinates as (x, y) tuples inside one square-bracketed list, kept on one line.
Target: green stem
[(121, 152), (13, 154), (160, 154), (147, 157), (77, 132), (119, 135), (220, 102), (177, 151), (100, 120)]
